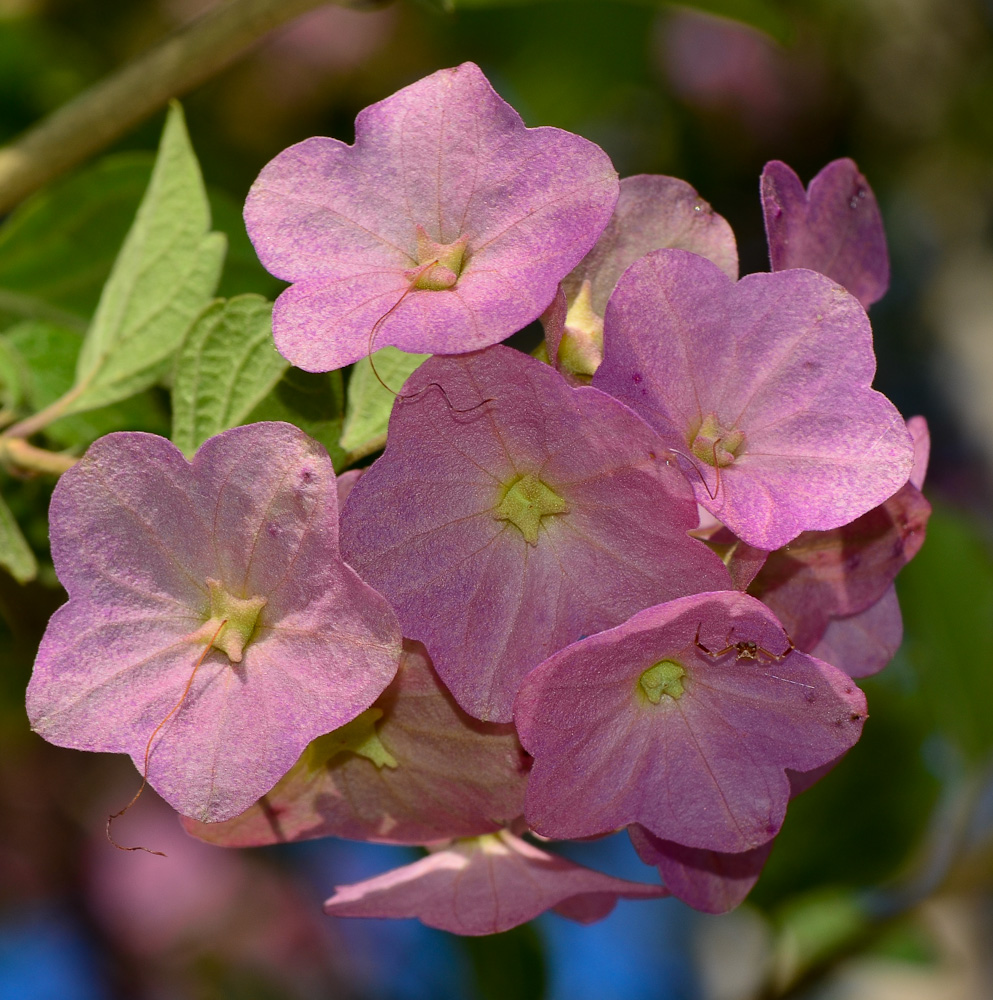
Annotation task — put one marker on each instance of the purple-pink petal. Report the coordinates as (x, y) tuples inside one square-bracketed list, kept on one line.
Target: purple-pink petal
[(703, 766), (448, 155), (775, 371), (863, 643), (423, 525), (823, 575), (834, 227), (137, 534), (709, 881), (653, 212), (487, 885), (447, 775), (921, 436)]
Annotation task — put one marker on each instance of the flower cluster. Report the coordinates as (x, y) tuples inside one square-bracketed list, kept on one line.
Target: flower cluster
[(634, 576)]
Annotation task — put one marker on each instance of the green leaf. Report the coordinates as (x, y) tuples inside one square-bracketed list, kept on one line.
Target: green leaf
[(369, 404), (48, 353), (13, 374), (15, 554), (242, 271), (946, 595), (314, 401), (165, 273), (58, 247), (227, 366)]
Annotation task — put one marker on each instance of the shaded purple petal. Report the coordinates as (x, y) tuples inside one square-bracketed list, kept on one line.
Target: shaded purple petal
[(137, 535), (706, 880), (653, 212), (423, 524), (703, 766), (447, 775), (834, 227), (485, 886), (822, 575), (862, 644), (775, 371), (446, 154)]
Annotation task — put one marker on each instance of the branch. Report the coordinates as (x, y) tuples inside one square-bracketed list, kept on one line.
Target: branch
[(24, 456), (108, 109)]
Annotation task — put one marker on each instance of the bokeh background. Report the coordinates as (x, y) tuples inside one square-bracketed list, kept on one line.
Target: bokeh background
[(880, 884)]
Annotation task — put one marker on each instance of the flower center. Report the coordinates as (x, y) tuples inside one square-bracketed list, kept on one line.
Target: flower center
[(240, 616), (714, 443), (662, 680), (358, 737), (444, 262), (526, 501)]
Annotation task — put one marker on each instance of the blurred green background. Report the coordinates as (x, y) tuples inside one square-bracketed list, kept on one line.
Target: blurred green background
[(881, 879)]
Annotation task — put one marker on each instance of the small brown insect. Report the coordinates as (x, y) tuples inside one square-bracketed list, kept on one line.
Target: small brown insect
[(744, 649)]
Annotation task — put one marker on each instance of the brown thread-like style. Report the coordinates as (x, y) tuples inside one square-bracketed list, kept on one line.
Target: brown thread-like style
[(148, 749), (431, 385)]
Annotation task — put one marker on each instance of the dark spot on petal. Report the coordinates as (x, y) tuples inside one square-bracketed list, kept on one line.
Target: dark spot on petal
[(307, 476), (636, 377), (273, 530)]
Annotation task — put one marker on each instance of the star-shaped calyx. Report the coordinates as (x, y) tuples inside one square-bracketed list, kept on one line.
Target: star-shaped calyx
[(445, 227), (233, 557), (512, 514)]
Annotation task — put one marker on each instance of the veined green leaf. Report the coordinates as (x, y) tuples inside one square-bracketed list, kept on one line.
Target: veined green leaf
[(15, 553), (228, 364), (165, 273), (48, 354), (367, 412)]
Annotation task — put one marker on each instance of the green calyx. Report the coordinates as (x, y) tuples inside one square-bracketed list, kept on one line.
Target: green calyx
[(439, 264), (714, 443), (240, 618), (581, 347), (525, 502), (663, 680), (358, 737)]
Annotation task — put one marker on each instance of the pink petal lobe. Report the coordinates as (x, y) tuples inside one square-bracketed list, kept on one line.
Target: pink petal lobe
[(447, 775), (863, 643), (705, 766), (777, 368), (706, 880), (922, 449), (834, 227), (140, 537), (444, 159), (424, 524), (825, 575), (486, 885), (653, 212)]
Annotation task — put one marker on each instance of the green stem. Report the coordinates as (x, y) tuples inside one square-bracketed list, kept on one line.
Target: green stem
[(370, 447), (18, 453), (40, 420), (108, 109)]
